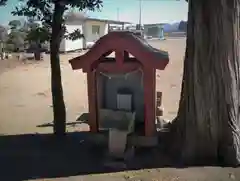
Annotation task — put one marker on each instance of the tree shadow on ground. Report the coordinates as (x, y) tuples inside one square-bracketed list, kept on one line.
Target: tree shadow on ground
[(35, 156), (83, 118)]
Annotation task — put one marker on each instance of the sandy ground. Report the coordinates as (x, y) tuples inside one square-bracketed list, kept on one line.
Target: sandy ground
[(26, 97), (26, 105)]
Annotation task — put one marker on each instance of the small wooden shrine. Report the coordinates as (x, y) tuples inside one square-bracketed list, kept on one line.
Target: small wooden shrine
[(125, 82)]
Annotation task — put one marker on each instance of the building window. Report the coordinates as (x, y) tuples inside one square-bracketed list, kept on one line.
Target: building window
[(95, 29), (153, 31)]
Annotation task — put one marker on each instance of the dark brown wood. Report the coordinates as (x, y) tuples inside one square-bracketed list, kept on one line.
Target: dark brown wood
[(119, 55), (159, 99), (99, 91), (159, 111), (112, 68), (149, 101), (126, 56), (92, 100)]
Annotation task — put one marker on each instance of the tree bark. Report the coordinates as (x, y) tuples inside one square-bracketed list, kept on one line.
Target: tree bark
[(1, 51), (37, 55), (59, 111), (207, 127), (37, 52)]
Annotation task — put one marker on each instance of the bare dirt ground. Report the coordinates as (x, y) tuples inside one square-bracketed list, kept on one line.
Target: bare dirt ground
[(27, 151)]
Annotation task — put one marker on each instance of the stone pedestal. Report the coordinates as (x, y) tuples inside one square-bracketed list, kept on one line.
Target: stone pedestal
[(117, 143)]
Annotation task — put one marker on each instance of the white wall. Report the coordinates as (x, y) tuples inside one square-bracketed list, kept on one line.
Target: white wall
[(70, 45), (89, 36), (86, 28), (62, 46), (106, 29)]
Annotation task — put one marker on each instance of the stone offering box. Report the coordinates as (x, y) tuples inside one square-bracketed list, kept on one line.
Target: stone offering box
[(121, 77)]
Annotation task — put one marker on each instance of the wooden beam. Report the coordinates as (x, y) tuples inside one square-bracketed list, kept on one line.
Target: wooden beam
[(119, 55), (92, 101), (112, 67), (159, 99), (149, 101)]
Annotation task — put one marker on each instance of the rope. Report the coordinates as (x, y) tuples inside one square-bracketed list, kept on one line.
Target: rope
[(126, 75)]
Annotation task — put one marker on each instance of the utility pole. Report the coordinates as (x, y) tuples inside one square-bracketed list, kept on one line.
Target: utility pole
[(118, 14), (140, 13), (139, 25)]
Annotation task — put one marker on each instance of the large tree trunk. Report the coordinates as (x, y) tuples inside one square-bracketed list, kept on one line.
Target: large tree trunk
[(208, 121), (59, 111)]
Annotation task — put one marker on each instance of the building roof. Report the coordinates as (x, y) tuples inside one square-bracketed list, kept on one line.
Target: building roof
[(155, 24), (81, 16), (122, 40), (107, 21), (82, 19)]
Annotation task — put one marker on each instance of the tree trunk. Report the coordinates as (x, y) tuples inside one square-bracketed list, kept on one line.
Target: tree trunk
[(2, 50), (59, 111), (208, 121), (37, 55), (37, 52)]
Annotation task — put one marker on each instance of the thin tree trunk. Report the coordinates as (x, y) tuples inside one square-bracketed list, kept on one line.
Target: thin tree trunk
[(59, 111), (37, 55), (208, 121), (2, 50), (37, 52)]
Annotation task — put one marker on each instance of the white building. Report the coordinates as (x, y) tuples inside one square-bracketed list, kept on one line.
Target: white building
[(154, 30), (92, 30)]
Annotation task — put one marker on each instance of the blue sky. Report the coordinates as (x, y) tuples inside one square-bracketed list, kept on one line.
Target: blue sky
[(153, 11)]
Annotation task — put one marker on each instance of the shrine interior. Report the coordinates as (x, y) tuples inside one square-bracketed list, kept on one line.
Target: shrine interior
[(121, 92)]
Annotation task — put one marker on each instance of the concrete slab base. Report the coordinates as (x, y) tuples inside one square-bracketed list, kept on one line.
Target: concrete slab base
[(132, 140)]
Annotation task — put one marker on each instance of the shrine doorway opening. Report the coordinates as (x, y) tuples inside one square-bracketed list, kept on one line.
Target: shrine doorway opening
[(121, 91)]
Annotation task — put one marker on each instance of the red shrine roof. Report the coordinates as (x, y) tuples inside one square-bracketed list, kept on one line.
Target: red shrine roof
[(122, 41)]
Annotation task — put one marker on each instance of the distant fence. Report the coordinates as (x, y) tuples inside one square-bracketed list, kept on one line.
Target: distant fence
[(175, 34)]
